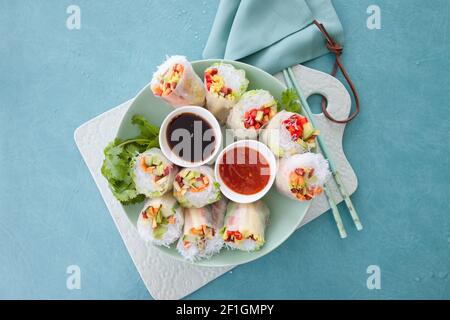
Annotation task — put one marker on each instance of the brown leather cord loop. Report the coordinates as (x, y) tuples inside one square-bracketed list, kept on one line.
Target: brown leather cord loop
[(337, 49)]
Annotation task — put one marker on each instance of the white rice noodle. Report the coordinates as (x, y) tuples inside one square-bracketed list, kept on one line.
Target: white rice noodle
[(189, 90), (246, 245), (145, 182), (305, 160), (169, 207)]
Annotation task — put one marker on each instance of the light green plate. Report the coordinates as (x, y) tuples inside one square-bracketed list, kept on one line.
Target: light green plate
[(285, 214)]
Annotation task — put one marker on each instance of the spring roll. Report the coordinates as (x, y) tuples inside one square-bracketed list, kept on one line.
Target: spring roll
[(218, 210), (254, 110), (199, 239), (224, 86), (301, 177), (153, 174), (196, 187), (289, 133), (176, 82), (160, 221), (244, 225)]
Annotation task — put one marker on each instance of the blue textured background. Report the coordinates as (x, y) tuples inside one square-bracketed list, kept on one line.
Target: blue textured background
[(51, 214)]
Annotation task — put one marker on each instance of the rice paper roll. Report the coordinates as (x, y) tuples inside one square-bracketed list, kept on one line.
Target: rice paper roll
[(196, 187), (224, 86), (289, 133), (199, 239), (176, 82), (160, 221), (254, 110), (218, 210), (152, 173), (245, 225), (301, 177)]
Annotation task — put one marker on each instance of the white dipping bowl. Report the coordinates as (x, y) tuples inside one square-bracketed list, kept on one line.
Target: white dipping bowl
[(204, 114), (264, 151)]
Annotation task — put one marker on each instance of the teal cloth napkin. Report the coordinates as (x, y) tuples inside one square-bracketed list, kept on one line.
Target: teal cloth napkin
[(271, 34)]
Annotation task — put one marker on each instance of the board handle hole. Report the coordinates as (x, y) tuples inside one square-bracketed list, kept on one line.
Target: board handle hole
[(315, 103)]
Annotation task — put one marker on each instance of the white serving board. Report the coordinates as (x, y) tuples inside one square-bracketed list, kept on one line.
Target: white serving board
[(165, 277)]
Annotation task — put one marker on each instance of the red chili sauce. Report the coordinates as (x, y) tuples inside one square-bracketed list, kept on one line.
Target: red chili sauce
[(244, 170)]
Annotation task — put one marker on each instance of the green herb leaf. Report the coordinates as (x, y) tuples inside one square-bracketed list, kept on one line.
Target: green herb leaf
[(290, 101), (153, 143), (118, 156), (148, 130)]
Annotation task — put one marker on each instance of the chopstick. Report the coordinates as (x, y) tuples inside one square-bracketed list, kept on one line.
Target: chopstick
[(291, 82), (326, 188)]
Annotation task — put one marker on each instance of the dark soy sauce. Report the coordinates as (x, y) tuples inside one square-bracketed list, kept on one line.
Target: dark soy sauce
[(190, 137)]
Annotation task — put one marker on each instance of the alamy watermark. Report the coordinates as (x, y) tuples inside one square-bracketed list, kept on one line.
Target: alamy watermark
[(374, 20), (374, 280), (73, 281), (73, 21)]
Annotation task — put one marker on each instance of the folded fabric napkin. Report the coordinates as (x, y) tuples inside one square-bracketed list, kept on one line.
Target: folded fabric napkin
[(271, 35)]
